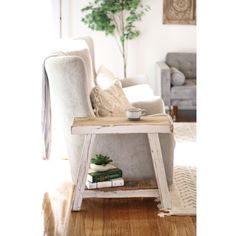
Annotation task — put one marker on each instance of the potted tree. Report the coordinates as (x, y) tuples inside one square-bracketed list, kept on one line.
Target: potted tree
[(116, 18)]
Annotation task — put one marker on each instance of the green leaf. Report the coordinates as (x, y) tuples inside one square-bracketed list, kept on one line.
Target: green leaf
[(115, 17), (101, 160)]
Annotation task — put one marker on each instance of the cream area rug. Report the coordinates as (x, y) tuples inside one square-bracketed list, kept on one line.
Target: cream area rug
[(183, 192)]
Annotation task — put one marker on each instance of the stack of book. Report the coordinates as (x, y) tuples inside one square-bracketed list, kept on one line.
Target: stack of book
[(104, 179)]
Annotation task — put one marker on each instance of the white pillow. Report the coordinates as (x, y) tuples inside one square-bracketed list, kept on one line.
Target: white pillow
[(109, 102), (177, 77), (104, 78)]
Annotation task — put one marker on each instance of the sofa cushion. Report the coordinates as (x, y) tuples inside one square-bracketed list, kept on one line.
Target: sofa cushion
[(109, 102), (177, 77), (185, 62), (105, 78), (187, 104), (186, 91)]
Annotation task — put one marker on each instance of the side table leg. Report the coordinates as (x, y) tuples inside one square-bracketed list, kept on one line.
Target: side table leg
[(83, 171), (159, 169)]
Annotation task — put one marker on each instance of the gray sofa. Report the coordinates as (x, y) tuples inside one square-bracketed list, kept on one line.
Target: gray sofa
[(71, 77), (181, 96)]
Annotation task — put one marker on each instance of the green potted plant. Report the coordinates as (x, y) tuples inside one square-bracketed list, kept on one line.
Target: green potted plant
[(101, 163), (116, 18)]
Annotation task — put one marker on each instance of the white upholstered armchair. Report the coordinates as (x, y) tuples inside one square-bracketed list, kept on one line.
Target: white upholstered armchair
[(69, 79)]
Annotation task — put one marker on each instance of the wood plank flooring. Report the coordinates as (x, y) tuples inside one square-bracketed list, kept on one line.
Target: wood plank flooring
[(98, 217), (186, 116)]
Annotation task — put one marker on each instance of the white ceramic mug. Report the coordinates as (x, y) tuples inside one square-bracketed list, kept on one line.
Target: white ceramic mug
[(135, 113)]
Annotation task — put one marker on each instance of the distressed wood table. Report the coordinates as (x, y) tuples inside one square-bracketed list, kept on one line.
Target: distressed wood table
[(152, 126)]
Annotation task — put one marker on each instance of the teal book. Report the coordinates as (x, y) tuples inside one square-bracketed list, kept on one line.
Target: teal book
[(99, 176)]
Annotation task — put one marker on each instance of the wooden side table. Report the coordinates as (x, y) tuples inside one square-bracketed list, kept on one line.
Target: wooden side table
[(152, 126)]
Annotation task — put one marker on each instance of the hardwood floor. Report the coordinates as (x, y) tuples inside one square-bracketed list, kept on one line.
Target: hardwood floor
[(186, 116), (132, 217), (179, 115)]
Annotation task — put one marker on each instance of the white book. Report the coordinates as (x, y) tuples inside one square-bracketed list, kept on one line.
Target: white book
[(90, 185), (105, 184), (118, 182)]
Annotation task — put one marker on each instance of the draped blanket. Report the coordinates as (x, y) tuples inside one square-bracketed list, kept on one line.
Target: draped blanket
[(46, 116)]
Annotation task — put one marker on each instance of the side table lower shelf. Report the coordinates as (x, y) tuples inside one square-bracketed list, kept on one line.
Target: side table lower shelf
[(131, 189)]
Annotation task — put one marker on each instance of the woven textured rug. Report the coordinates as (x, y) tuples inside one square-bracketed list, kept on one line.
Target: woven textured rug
[(183, 192)]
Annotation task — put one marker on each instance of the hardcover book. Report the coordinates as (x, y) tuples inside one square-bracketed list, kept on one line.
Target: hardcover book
[(99, 176), (105, 184)]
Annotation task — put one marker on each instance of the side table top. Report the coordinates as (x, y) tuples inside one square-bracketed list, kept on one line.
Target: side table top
[(102, 125)]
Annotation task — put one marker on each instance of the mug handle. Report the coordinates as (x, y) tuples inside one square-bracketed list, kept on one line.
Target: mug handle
[(143, 112)]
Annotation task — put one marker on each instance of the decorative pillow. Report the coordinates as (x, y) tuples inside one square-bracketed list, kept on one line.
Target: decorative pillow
[(109, 102), (104, 78), (177, 77)]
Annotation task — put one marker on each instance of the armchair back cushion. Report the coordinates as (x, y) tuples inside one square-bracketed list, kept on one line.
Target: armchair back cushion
[(105, 78)]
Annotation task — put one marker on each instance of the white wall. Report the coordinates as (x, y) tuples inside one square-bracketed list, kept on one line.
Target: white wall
[(155, 41)]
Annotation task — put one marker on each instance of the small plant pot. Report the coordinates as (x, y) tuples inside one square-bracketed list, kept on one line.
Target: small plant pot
[(101, 167)]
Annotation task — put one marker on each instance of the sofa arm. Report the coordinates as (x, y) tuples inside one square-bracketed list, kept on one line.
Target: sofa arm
[(163, 71)]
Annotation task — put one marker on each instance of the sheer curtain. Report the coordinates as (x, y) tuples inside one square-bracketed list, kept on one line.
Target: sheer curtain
[(32, 29), (28, 29)]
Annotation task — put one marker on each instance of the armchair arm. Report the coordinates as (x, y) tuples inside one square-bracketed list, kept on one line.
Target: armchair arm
[(154, 105), (127, 82), (163, 71), (138, 92)]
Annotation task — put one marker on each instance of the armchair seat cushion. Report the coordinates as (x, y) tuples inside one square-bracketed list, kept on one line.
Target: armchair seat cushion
[(186, 91), (138, 92)]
